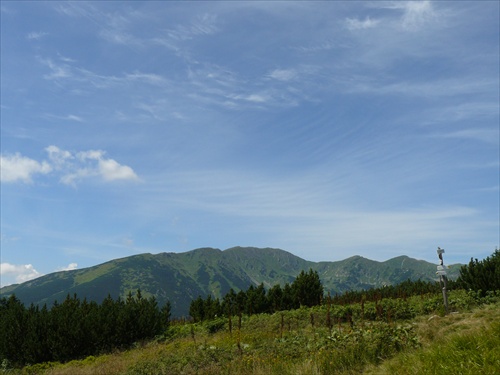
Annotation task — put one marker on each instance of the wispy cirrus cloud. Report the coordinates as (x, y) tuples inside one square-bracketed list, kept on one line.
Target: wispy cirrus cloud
[(415, 14), (205, 24), (57, 71), (308, 211), (478, 134), (117, 27), (36, 35), (463, 111), (69, 117), (279, 88), (213, 83), (66, 71), (432, 88), (357, 24), (113, 27), (283, 74)]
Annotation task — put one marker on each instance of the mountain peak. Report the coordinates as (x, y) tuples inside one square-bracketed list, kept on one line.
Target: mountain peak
[(182, 277)]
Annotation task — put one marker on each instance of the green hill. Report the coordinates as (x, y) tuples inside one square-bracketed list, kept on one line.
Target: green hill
[(182, 277)]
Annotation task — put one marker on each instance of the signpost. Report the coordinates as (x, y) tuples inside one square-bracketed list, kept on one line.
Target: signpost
[(443, 279)]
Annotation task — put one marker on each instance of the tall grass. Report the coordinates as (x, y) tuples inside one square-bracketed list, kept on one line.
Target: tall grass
[(457, 344), (313, 342)]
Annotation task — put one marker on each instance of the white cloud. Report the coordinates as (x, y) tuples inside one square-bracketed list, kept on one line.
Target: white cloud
[(90, 154), (19, 273), (256, 98), (283, 74), (73, 167), (110, 170), (57, 156), (356, 24), (107, 169), (417, 13), (14, 168), (69, 267)]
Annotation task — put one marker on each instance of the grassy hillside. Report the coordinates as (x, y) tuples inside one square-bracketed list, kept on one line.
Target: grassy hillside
[(408, 336), (182, 277)]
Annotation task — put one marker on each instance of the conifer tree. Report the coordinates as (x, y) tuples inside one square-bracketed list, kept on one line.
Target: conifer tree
[(307, 288), (13, 329), (481, 276), (197, 309), (275, 298)]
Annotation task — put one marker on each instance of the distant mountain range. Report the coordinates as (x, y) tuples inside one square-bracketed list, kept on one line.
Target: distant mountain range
[(182, 277)]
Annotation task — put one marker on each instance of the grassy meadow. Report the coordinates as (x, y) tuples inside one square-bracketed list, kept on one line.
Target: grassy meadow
[(391, 336)]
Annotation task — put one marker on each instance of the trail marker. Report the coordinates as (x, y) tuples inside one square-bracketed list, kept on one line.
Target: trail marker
[(443, 279)]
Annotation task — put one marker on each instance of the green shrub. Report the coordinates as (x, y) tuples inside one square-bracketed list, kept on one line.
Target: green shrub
[(216, 325)]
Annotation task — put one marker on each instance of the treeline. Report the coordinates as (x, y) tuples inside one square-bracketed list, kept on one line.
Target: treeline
[(305, 290), (75, 328)]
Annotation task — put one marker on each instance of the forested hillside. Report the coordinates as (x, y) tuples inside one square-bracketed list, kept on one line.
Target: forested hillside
[(295, 329), (182, 277)]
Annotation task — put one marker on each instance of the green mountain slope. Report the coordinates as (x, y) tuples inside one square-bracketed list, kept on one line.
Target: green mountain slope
[(182, 277)]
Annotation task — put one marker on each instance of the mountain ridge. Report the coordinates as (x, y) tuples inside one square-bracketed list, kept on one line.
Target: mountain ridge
[(182, 277)]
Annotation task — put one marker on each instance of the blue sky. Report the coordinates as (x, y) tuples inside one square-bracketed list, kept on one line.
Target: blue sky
[(327, 129)]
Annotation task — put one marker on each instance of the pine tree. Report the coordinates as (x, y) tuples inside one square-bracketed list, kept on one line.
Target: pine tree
[(165, 314), (12, 330), (229, 303), (275, 298), (307, 289), (197, 309), (288, 299)]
